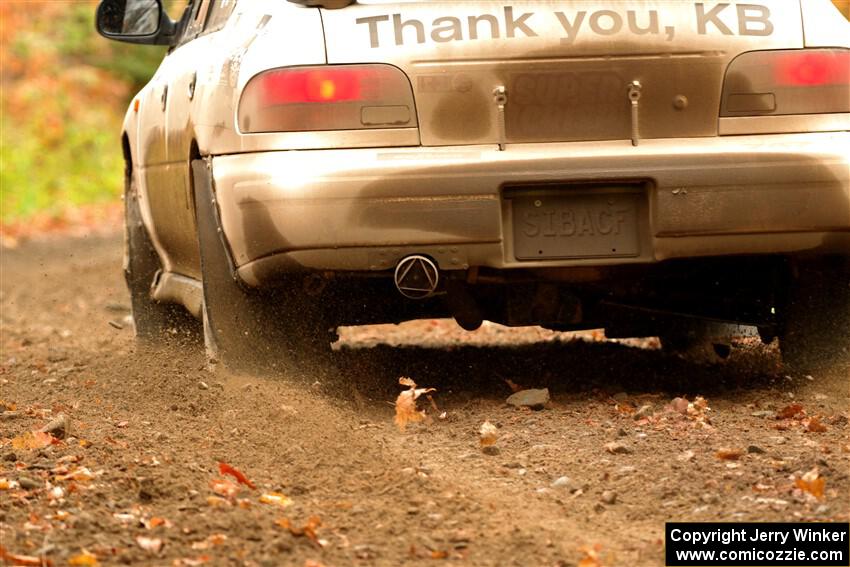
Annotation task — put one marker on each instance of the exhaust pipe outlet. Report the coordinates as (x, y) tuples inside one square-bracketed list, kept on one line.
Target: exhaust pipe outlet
[(416, 277)]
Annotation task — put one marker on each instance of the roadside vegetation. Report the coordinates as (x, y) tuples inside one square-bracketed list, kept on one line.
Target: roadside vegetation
[(64, 93)]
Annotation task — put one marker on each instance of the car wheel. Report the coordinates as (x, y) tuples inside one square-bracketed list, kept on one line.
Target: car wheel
[(816, 333), (252, 330), (154, 322)]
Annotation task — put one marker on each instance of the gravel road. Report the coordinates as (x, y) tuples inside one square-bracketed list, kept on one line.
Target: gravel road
[(131, 474)]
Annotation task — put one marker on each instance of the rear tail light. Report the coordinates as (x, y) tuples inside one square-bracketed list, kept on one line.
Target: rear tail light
[(798, 81), (343, 97)]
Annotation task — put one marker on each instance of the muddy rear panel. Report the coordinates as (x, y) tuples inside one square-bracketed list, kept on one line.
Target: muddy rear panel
[(490, 72)]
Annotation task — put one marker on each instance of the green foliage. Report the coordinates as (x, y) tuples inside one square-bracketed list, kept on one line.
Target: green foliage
[(65, 91)]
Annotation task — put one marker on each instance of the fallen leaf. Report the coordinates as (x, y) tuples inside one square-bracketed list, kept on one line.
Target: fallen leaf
[(488, 434), (729, 454), (26, 560), (81, 474), (814, 425), (405, 405), (34, 440), (217, 501), (591, 556), (276, 499), (307, 530), (699, 404), (698, 411), (83, 558), (151, 544), (211, 541), (224, 468), (156, 522), (439, 554), (224, 487), (789, 412), (125, 518), (812, 483), (625, 408)]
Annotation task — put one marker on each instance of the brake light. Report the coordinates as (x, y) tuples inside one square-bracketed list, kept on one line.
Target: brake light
[(311, 85), (813, 67), (345, 97), (794, 81)]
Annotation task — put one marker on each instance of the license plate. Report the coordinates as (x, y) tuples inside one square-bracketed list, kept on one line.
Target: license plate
[(575, 226)]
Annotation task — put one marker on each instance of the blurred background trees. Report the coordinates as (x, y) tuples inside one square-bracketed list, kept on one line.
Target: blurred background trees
[(64, 93)]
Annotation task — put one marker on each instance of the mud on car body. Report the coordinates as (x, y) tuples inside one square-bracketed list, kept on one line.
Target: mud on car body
[(647, 167)]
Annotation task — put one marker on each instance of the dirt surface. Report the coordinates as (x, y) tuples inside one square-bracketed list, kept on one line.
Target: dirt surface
[(593, 476)]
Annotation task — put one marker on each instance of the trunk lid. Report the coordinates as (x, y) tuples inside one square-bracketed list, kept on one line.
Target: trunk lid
[(565, 67)]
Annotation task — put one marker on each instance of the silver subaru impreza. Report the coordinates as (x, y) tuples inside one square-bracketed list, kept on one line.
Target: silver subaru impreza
[(650, 167)]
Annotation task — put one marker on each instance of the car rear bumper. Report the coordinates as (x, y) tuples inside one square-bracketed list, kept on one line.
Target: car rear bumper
[(365, 209)]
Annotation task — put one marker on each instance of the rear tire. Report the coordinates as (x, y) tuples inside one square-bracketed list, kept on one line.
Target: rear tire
[(154, 322), (816, 333), (250, 330)]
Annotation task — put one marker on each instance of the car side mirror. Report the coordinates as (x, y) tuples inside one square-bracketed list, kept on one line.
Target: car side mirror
[(135, 21)]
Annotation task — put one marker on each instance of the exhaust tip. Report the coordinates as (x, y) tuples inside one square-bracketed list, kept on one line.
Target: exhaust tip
[(416, 277)]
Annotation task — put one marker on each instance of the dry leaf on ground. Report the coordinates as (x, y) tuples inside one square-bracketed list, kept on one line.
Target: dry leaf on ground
[(84, 558), (812, 483), (405, 405), (488, 434), (224, 487), (276, 499), (698, 411), (156, 522), (789, 411), (224, 468), (217, 501), (308, 530), (211, 541), (34, 440), (625, 408), (729, 454), (591, 556), (814, 425), (26, 560), (151, 544)]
